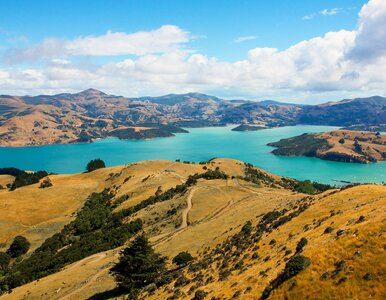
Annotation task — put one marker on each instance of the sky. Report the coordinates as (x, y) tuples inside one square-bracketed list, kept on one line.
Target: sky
[(295, 51)]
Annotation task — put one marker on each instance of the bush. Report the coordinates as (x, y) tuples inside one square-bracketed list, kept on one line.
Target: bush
[(95, 164), (293, 267), (299, 247), (199, 295), (138, 266), (328, 229), (19, 246), (247, 228), (182, 258), (5, 259), (46, 183)]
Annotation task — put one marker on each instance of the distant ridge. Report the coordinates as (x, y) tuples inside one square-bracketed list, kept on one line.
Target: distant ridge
[(91, 114)]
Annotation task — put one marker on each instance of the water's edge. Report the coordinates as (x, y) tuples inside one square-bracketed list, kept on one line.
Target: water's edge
[(201, 144)]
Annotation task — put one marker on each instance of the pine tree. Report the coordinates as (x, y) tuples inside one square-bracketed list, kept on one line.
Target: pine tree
[(138, 266)]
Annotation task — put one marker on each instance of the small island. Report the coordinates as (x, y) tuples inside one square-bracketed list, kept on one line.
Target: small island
[(338, 145), (247, 127), (148, 131)]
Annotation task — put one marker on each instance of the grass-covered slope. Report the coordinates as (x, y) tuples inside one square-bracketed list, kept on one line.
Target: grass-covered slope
[(338, 145), (241, 225)]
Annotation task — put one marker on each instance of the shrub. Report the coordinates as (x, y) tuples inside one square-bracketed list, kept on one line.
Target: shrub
[(328, 229), (182, 258), (46, 183), (247, 228), (299, 247), (199, 295), (5, 259), (95, 164), (293, 267), (182, 280), (19, 246)]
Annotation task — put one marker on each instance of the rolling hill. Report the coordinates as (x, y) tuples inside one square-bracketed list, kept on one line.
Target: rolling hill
[(243, 226)]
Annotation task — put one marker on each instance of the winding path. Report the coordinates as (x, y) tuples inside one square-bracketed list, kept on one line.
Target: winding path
[(184, 223), (185, 212), (92, 280)]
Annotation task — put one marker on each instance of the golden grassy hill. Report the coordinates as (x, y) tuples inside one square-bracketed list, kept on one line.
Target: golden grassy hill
[(207, 220), (338, 145)]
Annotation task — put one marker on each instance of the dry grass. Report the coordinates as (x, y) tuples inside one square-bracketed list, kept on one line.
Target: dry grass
[(39, 213), (219, 209), (373, 145)]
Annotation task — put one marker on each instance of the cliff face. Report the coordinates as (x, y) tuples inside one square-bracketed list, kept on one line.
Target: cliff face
[(339, 145)]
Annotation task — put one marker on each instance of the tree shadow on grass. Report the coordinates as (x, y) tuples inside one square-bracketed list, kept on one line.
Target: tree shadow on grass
[(116, 292)]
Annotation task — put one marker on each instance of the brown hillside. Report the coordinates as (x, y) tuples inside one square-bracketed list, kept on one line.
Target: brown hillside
[(207, 219)]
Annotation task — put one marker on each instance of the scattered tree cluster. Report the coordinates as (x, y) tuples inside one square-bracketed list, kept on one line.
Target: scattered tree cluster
[(96, 228), (22, 178), (95, 164)]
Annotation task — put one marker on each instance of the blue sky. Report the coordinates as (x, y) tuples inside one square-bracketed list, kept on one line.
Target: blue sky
[(216, 24), (205, 37)]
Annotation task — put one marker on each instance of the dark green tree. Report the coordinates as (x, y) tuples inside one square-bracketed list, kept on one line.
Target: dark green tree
[(138, 267), (95, 164), (247, 228), (182, 258), (5, 259), (19, 246)]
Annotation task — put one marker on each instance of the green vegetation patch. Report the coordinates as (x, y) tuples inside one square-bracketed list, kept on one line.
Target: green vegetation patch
[(95, 229), (22, 178)]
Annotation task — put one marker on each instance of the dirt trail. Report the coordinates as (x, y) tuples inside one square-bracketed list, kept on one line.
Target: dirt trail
[(184, 223), (93, 258), (185, 212)]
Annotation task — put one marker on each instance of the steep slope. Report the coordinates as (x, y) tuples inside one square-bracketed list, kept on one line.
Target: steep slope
[(209, 220)]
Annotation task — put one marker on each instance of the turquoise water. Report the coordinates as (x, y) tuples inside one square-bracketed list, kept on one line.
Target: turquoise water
[(200, 144)]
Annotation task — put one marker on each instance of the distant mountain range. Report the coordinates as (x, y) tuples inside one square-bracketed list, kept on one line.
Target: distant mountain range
[(90, 114)]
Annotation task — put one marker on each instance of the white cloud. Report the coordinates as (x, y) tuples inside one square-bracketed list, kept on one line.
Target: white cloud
[(370, 40), (337, 65), (308, 17), (164, 39), (324, 12), (330, 11), (245, 38)]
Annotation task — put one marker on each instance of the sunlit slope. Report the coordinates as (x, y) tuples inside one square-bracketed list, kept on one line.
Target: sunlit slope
[(212, 212)]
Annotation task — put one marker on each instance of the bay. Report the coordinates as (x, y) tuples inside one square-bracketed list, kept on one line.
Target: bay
[(200, 144)]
